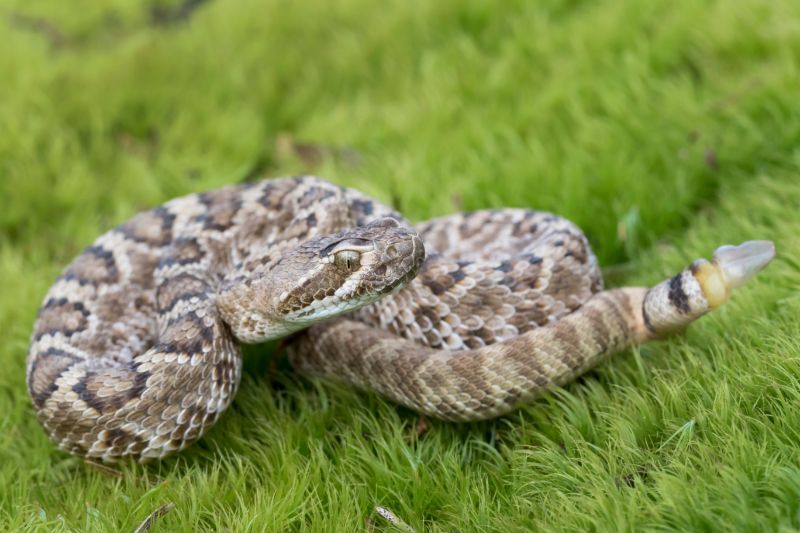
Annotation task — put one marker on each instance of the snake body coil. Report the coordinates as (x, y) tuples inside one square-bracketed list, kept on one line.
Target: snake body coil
[(135, 353)]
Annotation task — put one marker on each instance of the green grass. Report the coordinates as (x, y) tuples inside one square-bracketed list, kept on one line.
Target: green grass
[(664, 128)]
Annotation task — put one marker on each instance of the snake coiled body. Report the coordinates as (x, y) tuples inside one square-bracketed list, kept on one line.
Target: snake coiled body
[(135, 350)]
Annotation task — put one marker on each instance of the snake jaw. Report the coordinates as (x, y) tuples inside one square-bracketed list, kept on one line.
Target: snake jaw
[(731, 267)]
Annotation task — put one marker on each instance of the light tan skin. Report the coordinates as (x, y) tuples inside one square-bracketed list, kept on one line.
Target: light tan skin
[(135, 350)]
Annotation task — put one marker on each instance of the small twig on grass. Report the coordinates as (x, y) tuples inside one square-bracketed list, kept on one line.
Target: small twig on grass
[(152, 517), (42, 26), (144, 146), (422, 426), (105, 469), (164, 16), (732, 99), (313, 155), (393, 519), (710, 158)]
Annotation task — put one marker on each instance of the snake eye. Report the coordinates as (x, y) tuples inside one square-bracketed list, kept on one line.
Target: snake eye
[(349, 260)]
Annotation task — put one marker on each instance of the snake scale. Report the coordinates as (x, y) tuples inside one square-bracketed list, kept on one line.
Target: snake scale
[(135, 350)]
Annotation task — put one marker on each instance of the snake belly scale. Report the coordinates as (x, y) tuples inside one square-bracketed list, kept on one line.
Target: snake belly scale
[(135, 350)]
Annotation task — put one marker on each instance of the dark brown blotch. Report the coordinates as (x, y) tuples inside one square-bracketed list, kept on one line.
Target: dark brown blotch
[(117, 437), (45, 370), (438, 284), (152, 227), (222, 206), (435, 286), (140, 378), (677, 296), (181, 287), (61, 316), (532, 259), (94, 266), (224, 371), (363, 208), (86, 388), (274, 193), (525, 226), (458, 275), (314, 195), (183, 251), (505, 266)]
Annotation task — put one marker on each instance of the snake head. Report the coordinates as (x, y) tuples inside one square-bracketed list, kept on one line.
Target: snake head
[(324, 277)]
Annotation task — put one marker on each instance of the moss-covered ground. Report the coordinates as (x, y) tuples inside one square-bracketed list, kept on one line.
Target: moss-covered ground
[(664, 128)]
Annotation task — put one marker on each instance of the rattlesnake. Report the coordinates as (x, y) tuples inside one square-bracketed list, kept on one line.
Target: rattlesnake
[(134, 351)]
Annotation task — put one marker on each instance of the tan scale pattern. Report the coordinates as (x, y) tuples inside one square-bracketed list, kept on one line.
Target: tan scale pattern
[(135, 350)]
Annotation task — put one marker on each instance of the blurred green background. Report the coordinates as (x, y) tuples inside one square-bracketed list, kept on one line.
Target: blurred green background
[(663, 128)]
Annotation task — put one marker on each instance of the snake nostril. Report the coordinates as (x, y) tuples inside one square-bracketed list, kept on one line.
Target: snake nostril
[(391, 250)]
